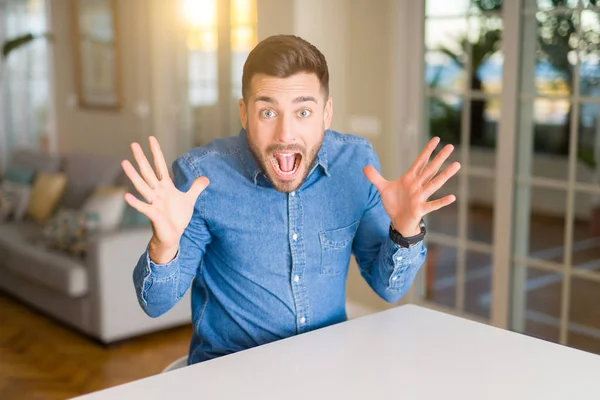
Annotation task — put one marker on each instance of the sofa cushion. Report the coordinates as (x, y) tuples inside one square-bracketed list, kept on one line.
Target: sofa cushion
[(22, 256), (68, 231), (37, 161), (85, 173), (46, 192), (108, 204)]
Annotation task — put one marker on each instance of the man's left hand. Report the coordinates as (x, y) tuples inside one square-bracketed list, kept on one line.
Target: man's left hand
[(405, 199)]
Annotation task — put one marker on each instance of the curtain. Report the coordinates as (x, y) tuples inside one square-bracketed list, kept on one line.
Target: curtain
[(24, 91)]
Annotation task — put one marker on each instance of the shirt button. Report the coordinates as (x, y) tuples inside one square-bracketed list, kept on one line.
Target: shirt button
[(295, 236), (399, 258), (302, 320), (292, 194), (296, 278), (394, 278)]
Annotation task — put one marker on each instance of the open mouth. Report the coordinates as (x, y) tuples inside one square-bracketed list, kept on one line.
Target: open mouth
[(286, 164)]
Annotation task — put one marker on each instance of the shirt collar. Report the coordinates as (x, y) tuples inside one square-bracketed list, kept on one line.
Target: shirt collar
[(253, 168)]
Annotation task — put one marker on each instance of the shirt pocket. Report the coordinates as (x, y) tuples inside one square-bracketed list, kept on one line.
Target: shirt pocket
[(336, 247)]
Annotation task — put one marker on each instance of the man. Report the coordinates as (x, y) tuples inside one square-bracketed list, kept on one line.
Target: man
[(266, 245)]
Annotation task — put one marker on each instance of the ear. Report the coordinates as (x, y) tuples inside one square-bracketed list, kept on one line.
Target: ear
[(243, 113), (328, 113)]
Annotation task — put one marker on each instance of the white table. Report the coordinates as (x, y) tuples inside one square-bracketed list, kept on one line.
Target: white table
[(407, 352)]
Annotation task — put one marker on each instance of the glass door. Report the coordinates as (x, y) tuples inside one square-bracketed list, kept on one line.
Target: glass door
[(463, 66), (515, 86), (556, 249)]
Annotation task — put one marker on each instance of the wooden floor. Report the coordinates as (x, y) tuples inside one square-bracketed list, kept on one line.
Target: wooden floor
[(40, 359)]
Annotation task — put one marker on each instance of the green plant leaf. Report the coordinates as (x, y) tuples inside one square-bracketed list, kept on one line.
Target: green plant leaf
[(15, 43), (11, 45)]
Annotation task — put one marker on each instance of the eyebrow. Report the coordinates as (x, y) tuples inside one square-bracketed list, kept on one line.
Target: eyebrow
[(299, 99)]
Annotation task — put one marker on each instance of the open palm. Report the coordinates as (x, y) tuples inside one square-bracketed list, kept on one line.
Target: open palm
[(405, 199), (169, 209)]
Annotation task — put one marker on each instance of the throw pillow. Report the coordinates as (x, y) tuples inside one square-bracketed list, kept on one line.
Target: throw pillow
[(45, 195), (14, 199), (108, 204), (68, 231), (18, 174)]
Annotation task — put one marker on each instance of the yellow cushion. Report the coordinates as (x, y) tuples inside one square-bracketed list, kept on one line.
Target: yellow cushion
[(45, 195)]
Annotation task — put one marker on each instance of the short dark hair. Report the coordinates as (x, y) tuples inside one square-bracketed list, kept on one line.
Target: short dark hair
[(283, 56)]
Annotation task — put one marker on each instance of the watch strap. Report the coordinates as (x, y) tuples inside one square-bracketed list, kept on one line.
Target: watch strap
[(400, 240)]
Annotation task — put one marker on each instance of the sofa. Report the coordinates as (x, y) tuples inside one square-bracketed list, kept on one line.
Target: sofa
[(91, 290)]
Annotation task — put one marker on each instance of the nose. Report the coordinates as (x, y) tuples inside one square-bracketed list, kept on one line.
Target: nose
[(285, 132)]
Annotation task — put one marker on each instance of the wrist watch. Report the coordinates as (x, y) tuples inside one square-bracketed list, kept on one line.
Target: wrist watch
[(407, 241)]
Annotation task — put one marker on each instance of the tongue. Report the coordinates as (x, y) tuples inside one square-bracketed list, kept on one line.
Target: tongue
[(286, 163)]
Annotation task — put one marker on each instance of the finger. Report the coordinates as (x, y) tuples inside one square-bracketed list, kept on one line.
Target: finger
[(139, 205), (433, 167), (374, 177), (140, 185), (423, 158), (145, 168), (435, 184), (435, 205), (198, 187), (159, 159)]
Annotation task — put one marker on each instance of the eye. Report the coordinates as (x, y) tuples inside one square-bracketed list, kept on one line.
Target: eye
[(304, 113), (267, 113)]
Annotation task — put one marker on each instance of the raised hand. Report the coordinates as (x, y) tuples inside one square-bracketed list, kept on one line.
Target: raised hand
[(168, 209), (405, 199)]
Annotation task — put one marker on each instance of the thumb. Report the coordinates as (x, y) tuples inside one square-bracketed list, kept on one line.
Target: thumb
[(374, 177), (198, 187)]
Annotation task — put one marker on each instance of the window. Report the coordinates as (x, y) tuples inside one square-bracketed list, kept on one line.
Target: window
[(463, 81), (202, 44), (243, 40), (24, 101), (220, 35)]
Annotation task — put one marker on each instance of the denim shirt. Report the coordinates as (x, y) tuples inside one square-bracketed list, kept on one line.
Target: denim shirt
[(265, 265)]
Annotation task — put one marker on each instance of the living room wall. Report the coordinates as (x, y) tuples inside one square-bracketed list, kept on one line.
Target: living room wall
[(97, 131)]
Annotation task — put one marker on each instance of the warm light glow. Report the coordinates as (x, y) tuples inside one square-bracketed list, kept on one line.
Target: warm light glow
[(204, 40), (243, 12), (34, 6), (243, 25), (201, 19), (200, 14), (243, 38)]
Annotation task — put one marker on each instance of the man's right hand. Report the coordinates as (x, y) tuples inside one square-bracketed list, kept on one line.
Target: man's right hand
[(168, 209)]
